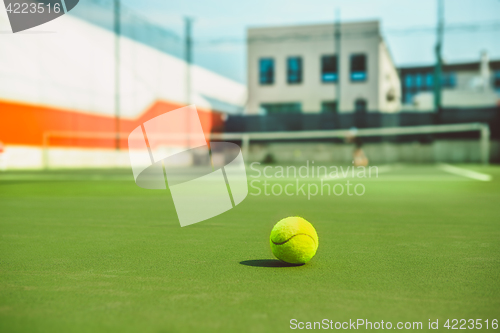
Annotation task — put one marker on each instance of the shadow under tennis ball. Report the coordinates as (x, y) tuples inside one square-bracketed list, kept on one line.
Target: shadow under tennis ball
[(266, 263)]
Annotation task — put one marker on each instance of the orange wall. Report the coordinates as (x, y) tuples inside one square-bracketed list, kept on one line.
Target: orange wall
[(25, 124)]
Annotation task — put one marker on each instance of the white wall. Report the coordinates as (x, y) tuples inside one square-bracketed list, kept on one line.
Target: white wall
[(70, 64), (389, 82), (452, 98)]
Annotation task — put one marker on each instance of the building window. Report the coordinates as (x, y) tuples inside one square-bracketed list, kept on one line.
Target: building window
[(358, 67), (449, 80), (429, 81), (418, 81), (360, 108), (496, 81), (329, 68), (329, 107), (409, 80), (408, 99), (274, 108), (266, 71), (294, 70)]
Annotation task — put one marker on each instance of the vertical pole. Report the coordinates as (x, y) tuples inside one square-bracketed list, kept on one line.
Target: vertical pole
[(337, 50), (485, 144), (439, 59), (117, 72), (45, 151), (188, 56), (245, 147), (188, 59)]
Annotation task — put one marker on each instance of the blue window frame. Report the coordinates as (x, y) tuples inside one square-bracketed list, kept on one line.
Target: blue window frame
[(419, 81), (329, 68), (496, 80), (358, 67), (429, 80), (409, 80), (449, 80), (294, 70), (266, 71), (409, 97)]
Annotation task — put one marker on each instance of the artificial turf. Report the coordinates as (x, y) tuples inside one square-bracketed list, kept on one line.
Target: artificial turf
[(90, 252)]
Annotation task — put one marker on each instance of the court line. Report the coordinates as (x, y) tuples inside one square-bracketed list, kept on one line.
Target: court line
[(64, 178), (465, 172), (381, 169)]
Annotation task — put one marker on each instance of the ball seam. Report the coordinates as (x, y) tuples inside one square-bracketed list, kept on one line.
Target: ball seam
[(281, 243)]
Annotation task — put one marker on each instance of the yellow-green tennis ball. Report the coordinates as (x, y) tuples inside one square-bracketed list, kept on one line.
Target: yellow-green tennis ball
[(294, 240)]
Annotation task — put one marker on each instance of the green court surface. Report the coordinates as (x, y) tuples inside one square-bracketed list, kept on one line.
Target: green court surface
[(89, 251)]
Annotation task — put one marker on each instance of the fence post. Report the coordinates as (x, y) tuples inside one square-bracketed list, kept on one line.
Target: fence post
[(245, 146), (45, 151), (485, 144)]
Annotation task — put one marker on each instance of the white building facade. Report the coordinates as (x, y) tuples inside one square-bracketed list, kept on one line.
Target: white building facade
[(298, 69)]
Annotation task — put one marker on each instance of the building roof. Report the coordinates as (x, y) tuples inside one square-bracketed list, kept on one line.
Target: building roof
[(463, 66), (322, 31), (346, 25)]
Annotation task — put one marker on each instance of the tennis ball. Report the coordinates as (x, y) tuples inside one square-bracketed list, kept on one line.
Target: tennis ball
[(294, 240)]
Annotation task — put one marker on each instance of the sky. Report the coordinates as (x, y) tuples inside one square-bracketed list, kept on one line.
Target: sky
[(407, 26)]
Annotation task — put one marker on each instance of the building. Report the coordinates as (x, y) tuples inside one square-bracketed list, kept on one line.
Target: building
[(467, 85), (299, 69), (82, 79)]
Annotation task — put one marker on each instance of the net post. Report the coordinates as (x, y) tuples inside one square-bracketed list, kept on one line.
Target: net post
[(245, 146), (485, 144)]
